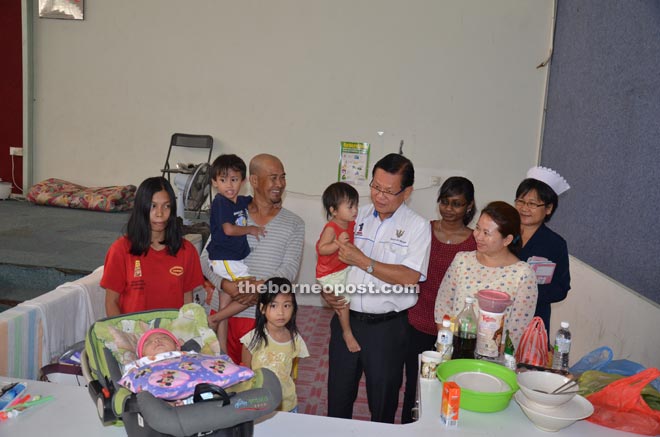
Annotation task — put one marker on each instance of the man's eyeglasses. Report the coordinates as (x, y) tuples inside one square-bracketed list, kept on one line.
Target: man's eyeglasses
[(454, 203), (530, 205), (385, 192)]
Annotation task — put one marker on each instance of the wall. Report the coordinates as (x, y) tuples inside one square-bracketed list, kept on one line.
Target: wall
[(456, 80), (601, 133), (602, 312)]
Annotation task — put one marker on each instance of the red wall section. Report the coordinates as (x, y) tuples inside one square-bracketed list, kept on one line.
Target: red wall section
[(11, 92)]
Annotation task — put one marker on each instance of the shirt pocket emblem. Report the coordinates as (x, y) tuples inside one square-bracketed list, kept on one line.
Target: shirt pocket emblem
[(176, 271)]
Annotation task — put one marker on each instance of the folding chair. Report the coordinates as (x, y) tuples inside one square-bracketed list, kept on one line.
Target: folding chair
[(189, 141)]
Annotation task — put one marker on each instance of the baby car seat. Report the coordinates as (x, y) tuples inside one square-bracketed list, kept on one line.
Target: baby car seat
[(214, 411)]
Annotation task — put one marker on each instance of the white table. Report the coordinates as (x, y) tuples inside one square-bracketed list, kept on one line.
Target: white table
[(73, 413)]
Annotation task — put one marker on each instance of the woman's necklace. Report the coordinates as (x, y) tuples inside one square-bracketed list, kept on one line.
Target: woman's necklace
[(451, 236)]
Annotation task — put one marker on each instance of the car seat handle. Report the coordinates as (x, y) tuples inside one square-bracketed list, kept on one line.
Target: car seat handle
[(210, 392)]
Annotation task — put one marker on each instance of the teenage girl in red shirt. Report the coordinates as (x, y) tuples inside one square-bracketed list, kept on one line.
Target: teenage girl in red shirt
[(152, 266)]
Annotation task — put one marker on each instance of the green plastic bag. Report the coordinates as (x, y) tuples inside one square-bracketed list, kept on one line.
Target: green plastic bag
[(593, 381)]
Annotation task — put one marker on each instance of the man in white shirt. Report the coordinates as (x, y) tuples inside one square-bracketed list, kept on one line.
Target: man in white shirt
[(389, 257)]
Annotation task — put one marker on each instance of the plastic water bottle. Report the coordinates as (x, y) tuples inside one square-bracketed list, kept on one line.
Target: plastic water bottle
[(445, 340), (465, 339), (562, 348)]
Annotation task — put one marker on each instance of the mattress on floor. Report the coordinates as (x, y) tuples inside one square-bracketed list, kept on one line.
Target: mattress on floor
[(58, 192)]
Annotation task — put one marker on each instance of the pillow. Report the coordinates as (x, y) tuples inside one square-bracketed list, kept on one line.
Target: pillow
[(176, 377)]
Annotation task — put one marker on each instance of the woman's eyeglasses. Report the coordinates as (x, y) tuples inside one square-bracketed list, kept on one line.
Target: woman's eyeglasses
[(530, 205), (454, 203)]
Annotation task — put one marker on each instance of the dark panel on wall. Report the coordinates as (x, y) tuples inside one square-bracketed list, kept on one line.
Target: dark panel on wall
[(11, 91), (602, 133)]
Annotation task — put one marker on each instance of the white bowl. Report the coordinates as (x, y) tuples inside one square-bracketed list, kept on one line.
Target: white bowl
[(546, 381), (557, 418)]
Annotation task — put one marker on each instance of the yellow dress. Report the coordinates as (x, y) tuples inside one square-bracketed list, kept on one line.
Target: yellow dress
[(278, 357)]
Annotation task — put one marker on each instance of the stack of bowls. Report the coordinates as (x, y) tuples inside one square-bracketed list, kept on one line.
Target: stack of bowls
[(548, 411)]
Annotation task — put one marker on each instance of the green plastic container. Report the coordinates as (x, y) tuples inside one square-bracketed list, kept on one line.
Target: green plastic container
[(472, 400)]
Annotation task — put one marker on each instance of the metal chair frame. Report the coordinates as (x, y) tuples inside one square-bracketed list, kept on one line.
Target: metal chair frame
[(189, 141)]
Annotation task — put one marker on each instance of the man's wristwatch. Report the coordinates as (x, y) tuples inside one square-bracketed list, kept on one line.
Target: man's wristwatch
[(370, 267)]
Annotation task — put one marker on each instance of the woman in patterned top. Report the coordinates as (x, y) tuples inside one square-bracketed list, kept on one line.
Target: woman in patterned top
[(450, 235), (494, 265)]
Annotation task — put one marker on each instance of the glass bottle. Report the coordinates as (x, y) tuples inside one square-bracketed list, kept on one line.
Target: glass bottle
[(509, 352)]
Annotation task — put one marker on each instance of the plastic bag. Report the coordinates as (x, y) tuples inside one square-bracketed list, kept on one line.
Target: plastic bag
[(593, 381), (601, 359), (627, 368), (620, 405), (533, 347), (594, 360)]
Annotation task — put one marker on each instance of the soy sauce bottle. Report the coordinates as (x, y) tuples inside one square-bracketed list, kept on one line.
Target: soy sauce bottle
[(465, 338)]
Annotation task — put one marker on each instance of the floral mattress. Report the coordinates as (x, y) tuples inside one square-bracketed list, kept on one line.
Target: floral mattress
[(56, 192)]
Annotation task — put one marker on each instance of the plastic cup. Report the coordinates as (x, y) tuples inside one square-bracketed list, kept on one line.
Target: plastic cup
[(490, 327)]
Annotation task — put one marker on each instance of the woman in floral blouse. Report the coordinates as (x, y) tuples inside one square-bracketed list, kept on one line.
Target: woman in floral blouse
[(494, 266)]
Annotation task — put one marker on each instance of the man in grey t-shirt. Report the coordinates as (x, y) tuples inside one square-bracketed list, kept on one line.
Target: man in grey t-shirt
[(277, 254)]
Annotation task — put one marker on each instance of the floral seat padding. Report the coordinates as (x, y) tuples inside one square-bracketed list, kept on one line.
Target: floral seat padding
[(57, 192)]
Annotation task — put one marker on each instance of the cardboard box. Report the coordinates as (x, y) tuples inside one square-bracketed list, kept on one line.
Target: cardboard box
[(451, 400)]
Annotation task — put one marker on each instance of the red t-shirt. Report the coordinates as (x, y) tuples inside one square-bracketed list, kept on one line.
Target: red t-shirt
[(421, 316), (326, 264), (152, 281)]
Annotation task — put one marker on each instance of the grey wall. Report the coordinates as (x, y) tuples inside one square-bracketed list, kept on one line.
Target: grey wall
[(602, 133)]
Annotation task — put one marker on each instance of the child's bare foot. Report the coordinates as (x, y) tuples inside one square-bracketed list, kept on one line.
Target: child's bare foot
[(351, 342)]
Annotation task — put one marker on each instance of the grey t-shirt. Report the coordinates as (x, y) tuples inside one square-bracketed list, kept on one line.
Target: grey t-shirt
[(277, 254)]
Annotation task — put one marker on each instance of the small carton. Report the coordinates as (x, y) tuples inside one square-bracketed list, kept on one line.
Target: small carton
[(451, 400)]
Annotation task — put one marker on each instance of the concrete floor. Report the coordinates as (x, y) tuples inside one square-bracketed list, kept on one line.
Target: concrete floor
[(62, 238), (42, 247)]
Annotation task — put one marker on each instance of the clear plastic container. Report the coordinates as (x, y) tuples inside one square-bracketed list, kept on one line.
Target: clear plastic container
[(493, 301)]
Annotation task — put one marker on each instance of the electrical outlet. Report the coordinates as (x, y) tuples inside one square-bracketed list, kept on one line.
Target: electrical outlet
[(436, 181), (16, 151)]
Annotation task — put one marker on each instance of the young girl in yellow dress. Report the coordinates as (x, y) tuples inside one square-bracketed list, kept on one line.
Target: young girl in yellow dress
[(275, 343)]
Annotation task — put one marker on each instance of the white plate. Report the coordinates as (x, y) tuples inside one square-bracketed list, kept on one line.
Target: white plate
[(481, 382), (576, 409)]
